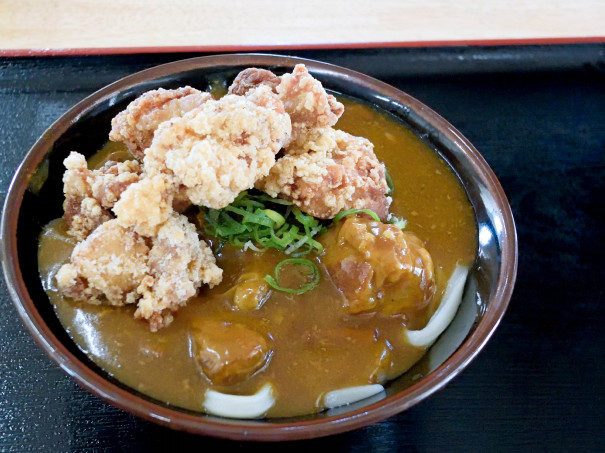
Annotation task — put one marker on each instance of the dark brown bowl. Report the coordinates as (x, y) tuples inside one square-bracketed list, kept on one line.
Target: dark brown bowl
[(85, 128)]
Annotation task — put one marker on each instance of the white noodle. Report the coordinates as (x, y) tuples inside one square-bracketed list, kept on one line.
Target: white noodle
[(444, 314), (349, 395), (240, 406)]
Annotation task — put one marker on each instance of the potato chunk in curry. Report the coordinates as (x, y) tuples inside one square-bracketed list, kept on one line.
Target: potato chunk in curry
[(378, 267), (251, 291), (227, 352)]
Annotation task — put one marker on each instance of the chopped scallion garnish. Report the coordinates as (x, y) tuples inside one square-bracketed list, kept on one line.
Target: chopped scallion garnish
[(259, 221), (399, 223), (342, 214), (275, 216), (390, 182), (273, 280)]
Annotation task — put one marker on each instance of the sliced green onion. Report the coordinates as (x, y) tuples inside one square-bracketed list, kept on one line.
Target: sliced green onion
[(265, 197), (305, 219), (303, 253), (240, 197), (286, 238), (390, 183), (235, 210), (250, 220), (275, 216), (342, 214), (228, 226), (274, 279), (316, 244), (296, 245), (237, 242), (399, 223)]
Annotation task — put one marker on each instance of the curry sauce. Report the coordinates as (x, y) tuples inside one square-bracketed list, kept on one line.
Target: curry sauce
[(310, 344)]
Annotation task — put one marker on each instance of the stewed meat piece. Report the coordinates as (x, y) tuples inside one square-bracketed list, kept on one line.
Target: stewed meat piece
[(378, 267), (228, 352)]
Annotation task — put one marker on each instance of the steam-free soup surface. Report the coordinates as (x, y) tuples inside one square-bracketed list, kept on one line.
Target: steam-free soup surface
[(314, 345)]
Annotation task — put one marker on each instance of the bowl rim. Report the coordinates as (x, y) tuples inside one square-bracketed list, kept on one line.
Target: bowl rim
[(238, 429)]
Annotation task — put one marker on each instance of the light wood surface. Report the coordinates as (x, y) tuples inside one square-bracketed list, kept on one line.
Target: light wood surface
[(59, 25)]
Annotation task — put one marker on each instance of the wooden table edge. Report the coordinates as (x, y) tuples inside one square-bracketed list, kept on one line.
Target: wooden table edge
[(79, 51)]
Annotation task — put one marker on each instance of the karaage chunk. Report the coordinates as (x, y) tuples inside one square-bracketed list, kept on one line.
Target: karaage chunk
[(304, 97), (328, 171), (90, 194), (251, 78), (179, 262), (307, 102), (117, 266), (136, 125), (146, 205), (107, 267), (221, 148)]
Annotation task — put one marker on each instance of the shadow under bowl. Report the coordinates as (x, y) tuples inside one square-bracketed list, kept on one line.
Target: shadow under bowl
[(85, 128)]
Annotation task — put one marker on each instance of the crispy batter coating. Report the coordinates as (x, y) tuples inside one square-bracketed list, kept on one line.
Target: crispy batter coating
[(146, 205), (178, 265), (328, 171), (136, 125), (304, 97), (307, 102), (117, 266), (251, 78), (107, 267), (221, 148), (90, 194)]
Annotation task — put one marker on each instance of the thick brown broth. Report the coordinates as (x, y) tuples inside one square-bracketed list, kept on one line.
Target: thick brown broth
[(316, 346), (427, 193)]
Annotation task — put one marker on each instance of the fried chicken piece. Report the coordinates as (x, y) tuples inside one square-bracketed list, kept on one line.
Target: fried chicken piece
[(221, 148), (90, 194), (117, 266), (136, 125), (83, 215), (304, 97), (328, 171), (178, 265), (107, 267), (378, 267), (146, 205), (251, 78), (307, 102)]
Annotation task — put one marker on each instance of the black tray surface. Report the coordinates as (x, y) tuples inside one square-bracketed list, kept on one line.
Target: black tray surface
[(537, 114)]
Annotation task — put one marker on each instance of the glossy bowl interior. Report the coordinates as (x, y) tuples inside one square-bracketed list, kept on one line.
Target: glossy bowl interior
[(85, 128)]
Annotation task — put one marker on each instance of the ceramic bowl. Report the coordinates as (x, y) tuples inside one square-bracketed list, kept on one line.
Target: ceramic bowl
[(85, 128)]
